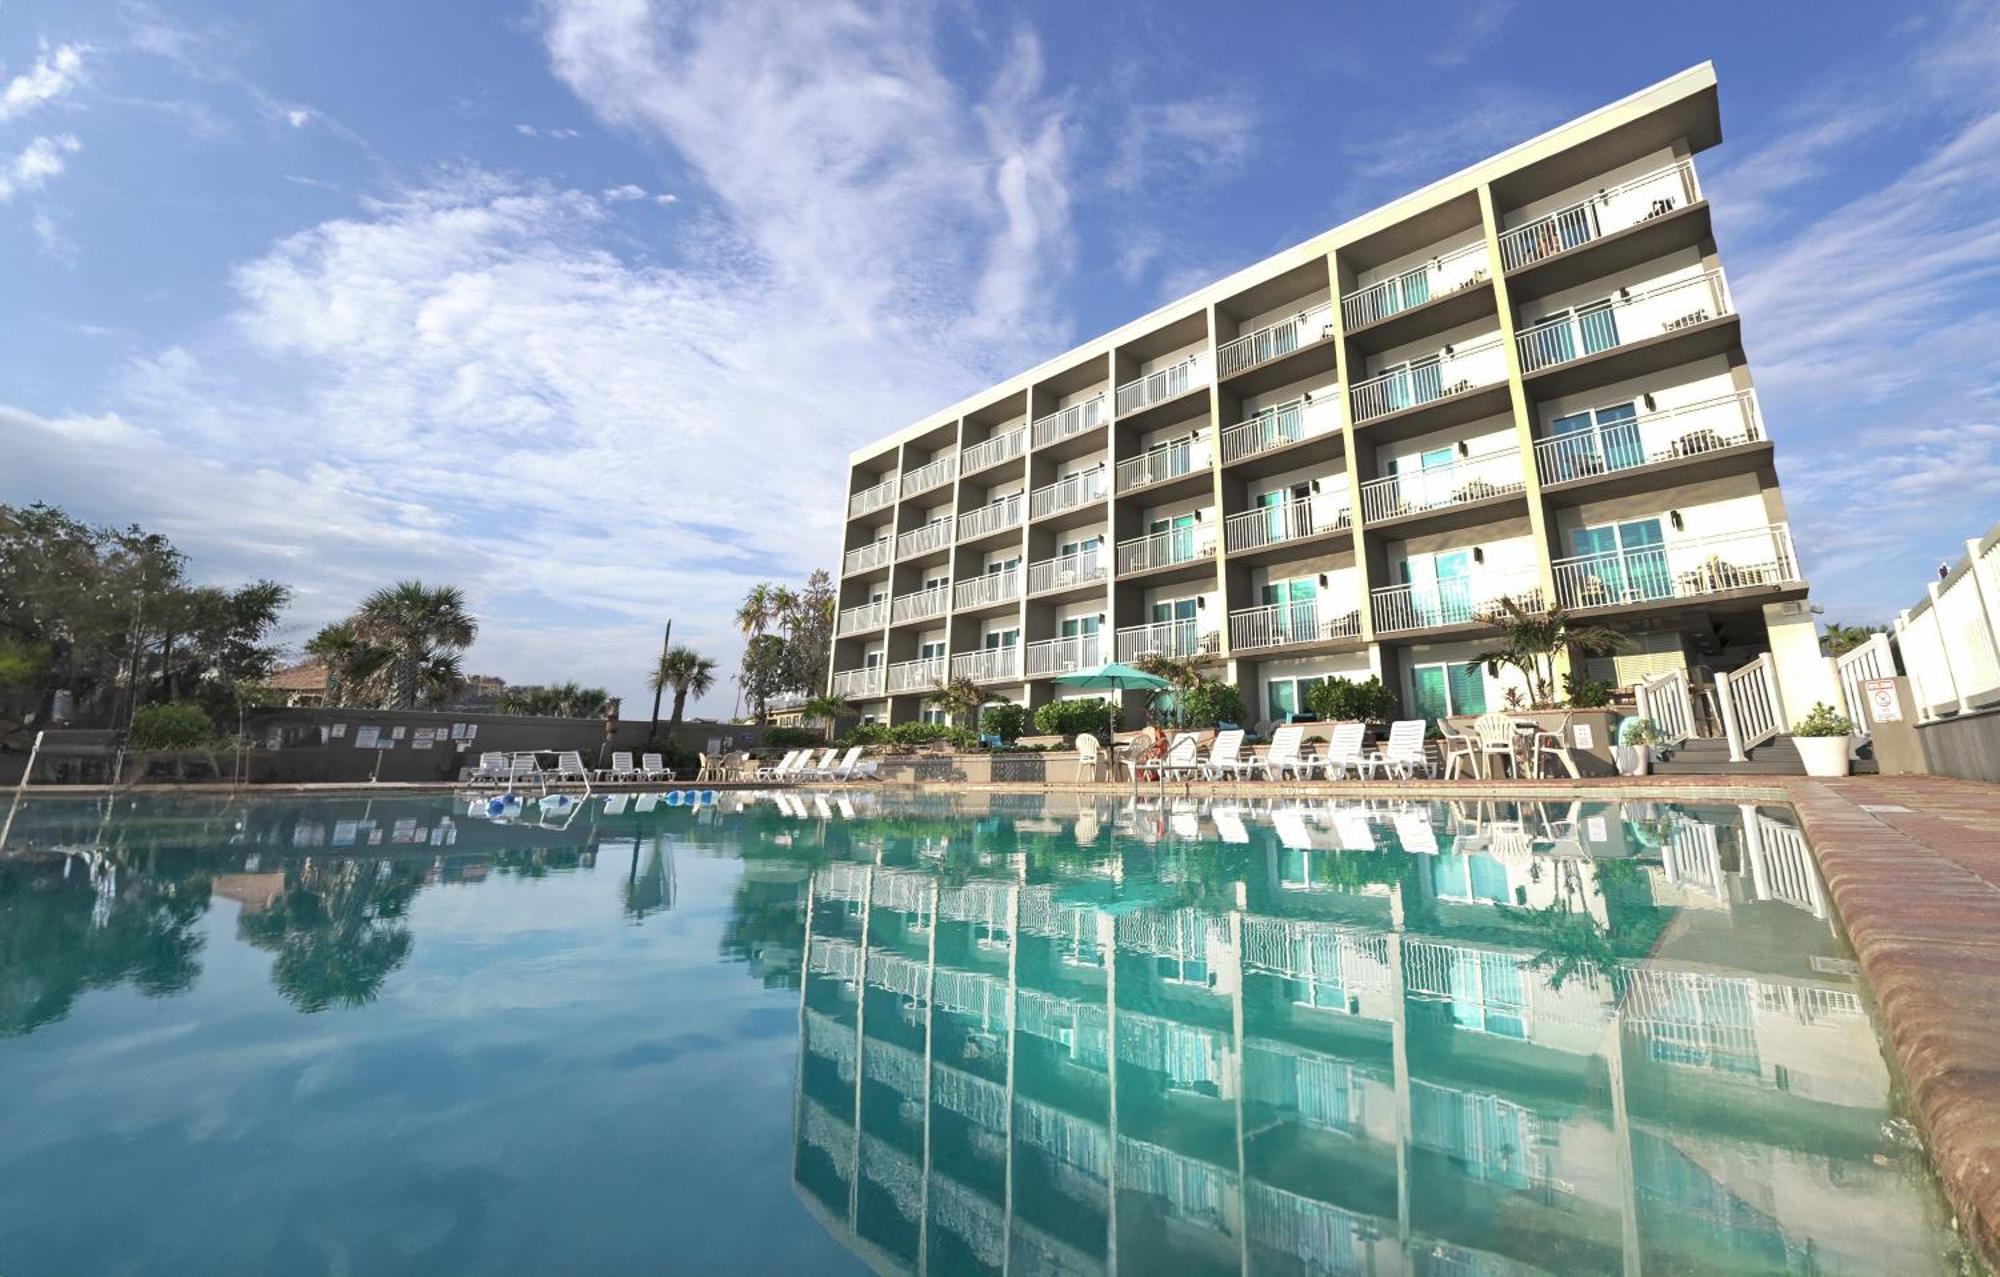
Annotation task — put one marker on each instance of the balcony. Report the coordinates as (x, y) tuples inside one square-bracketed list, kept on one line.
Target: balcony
[(1160, 385), (997, 517), (1077, 419), (1454, 601), (855, 685), (1665, 437), (1163, 462), (1280, 426), (930, 475), (861, 558), (991, 452), (1061, 655), (916, 676), (1292, 521), (872, 499), (1275, 341), (1607, 212), (784, 702), (1067, 570), (872, 615), (1454, 370), (933, 536), (1466, 481), (1072, 492), (919, 605), (1759, 558), (987, 589), (1293, 624), (1441, 276), (1683, 306), (1165, 549), (1182, 639), (988, 665)]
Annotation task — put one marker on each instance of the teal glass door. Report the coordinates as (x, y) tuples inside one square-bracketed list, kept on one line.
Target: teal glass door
[(1434, 484), (1454, 586), (1598, 326), (1432, 700)]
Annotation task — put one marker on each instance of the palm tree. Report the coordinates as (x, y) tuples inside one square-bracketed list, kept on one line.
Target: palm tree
[(415, 624), (1185, 673), (688, 672), (1535, 640), (1840, 639), (829, 710), (961, 698), (351, 662), (755, 614), (563, 700)]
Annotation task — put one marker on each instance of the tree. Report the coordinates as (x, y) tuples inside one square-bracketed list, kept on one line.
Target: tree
[(1184, 673), (763, 672), (961, 698), (560, 700), (798, 625), (1841, 639), (1534, 641), (688, 672), (829, 710), (352, 663), (415, 624)]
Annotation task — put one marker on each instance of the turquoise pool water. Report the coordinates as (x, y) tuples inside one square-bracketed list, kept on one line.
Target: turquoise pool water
[(814, 1033)]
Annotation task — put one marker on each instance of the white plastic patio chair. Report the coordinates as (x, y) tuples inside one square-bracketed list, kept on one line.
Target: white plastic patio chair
[(1282, 758), (1344, 752), (1089, 758), (1225, 756), (1495, 733), (1457, 750), (621, 767), (1553, 744), (569, 767), (491, 767), (654, 767), (1405, 754), (844, 769)]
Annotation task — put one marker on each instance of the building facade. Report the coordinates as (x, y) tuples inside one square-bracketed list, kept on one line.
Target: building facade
[(1525, 381)]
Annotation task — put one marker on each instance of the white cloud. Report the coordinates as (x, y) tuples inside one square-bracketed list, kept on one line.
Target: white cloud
[(553, 134), (298, 117), (39, 161), (1204, 139), (624, 194), (55, 73)]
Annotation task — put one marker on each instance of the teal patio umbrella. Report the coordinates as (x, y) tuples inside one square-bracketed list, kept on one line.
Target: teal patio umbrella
[(1114, 676)]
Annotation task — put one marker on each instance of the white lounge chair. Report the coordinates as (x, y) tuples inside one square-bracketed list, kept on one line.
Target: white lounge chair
[(569, 767), (816, 771), (1282, 759), (654, 767), (492, 767), (1229, 825), (1413, 830), (1225, 756), (1350, 825), (782, 768), (614, 804), (844, 769), (526, 765), (1344, 752), (621, 767), (1290, 823), (1183, 758), (1405, 754)]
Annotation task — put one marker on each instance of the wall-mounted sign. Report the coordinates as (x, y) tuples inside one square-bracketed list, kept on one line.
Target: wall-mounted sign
[(1585, 737), (1884, 706), (366, 737)]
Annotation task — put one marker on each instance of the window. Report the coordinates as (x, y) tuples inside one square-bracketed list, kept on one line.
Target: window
[(1623, 562), (1285, 698), (1596, 441), (1440, 587), (1446, 690), (1180, 545), (1001, 638)]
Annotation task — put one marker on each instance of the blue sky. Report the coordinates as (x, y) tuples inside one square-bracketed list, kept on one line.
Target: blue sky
[(582, 303)]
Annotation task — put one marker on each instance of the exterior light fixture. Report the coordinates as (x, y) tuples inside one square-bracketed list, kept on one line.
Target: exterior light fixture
[(1464, 448), (1479, 554), (1674, 517), (1323, 581)]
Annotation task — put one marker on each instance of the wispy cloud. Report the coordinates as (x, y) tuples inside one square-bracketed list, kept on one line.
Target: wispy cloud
[(552, 134), (31, 168), (56, 71), (1204, 139)]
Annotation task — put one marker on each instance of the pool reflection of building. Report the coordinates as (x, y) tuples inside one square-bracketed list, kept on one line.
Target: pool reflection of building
[(1286, 1074)]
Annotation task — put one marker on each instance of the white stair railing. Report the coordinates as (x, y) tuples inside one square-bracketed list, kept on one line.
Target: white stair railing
[(1873, 659), (1664, 700), (1751, 710)]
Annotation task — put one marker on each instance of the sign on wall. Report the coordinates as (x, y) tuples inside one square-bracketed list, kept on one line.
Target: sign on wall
[(1884, 706)]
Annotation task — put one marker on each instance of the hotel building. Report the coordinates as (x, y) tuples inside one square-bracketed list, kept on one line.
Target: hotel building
[(1526, 380)]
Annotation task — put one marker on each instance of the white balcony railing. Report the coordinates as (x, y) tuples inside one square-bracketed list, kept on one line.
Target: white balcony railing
[(1453, 601), (869, 500), (920, 605), (1651, 437), (1688, 568), (872, 615), (988, 665), (1067, 493), (861, 558), (1160, 385), (1280, 624), (991, 452), (1182, 638), (1274, 341), (858, 684), (1066, 570), (1061, 655), (1441, 276), (997, 517), (988, 588), (1162, 462), (1163, 549), (1291, 521), (1074, 420), (780, 702), (1620, 320), (935, 535), (1612, 209), (930, 475), (1277, 426), (1462, 482), (922, 675), (1452, 371)]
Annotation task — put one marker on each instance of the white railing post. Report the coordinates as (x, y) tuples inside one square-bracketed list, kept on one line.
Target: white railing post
[(1726, 703)]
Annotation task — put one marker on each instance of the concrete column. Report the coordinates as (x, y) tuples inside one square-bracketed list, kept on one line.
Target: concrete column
[(1803, 676)]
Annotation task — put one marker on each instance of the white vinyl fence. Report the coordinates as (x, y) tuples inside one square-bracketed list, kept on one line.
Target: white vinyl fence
[(1951, 640)]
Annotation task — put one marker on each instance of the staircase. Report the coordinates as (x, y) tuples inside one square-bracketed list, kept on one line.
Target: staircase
[(1775, 757)]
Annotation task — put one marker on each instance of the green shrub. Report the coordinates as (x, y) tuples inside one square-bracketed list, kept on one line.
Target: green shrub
[(1005, 720), (174, 726), (1638, 731), (1822, 720), (1586, 693), (1342, 700), (1075, 717), (21, 663), (866, 734), (791, 738), (910, 735), (1211, 703)]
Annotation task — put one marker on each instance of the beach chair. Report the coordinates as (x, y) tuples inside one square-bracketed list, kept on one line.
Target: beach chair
[(569, 767), (844, 769), (1225, 756), (621, 767), (1344, 752), (809, 770), (1282, 759), (1553, 744), (1494, 733), (654, 767), (1405, 754), (1088, 757), (1183, 758), (1229, 825), (1457, 750), (782, 768), (525, 765), (1413, 830), (492, 767)]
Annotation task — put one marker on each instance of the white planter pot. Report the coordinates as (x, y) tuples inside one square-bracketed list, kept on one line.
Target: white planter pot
[(1823, 755), (1633, 760)]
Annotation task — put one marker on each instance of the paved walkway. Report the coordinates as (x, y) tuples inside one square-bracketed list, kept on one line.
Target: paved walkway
[(1914, 866)]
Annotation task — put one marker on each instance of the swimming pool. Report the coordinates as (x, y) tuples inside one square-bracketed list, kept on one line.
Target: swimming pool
[(971, 1034)]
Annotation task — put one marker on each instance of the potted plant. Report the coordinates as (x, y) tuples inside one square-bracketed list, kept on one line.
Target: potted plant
[(1823, 737), (1634, 751)]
